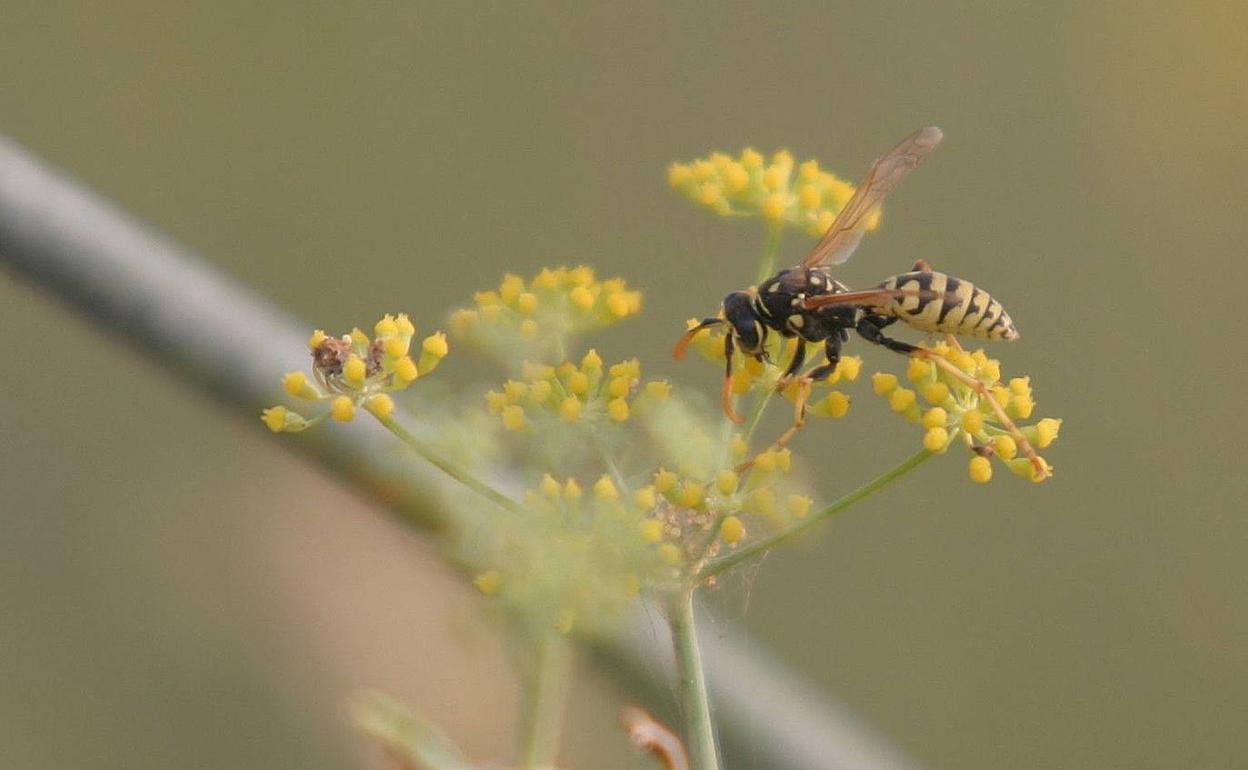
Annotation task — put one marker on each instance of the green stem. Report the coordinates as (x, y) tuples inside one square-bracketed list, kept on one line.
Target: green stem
[(699, 732), (767, 266), (450, 469), (759, 547), (544, 700)]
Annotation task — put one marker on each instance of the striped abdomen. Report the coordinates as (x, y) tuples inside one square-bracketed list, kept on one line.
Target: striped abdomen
[(948, 305)]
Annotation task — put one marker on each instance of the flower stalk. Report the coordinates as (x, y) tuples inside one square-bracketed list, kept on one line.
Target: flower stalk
[(694, 704), (759, 547)]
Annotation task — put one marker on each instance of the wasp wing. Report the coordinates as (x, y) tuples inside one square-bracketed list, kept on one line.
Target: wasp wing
[(842, 237), (876, 297)]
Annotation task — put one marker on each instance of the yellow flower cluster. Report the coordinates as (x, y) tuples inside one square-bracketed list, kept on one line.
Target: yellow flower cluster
[(572, 393), (355, 370), (690, 518), (573, 559), (749, 374), (806, 196), (540, 313), (984, 417)]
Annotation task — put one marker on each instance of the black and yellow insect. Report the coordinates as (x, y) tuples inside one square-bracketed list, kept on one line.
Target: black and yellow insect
[(805, 301)]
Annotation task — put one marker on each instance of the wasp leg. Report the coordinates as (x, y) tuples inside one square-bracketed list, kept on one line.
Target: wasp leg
[(682, 344), (725, 396), (832, 348), (869, 328), (799, 357)]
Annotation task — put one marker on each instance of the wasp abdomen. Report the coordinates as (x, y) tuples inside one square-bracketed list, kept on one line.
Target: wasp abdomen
[(948, 305)]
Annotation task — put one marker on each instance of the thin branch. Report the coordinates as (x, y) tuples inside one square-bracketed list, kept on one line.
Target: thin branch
[(760, 547)]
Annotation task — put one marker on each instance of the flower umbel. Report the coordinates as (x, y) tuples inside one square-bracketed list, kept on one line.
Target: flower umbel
[(959, 396), (781, 192), (355, 370), (534, 319)]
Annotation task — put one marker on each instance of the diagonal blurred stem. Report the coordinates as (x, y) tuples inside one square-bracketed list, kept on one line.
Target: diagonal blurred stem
[(220, 336)]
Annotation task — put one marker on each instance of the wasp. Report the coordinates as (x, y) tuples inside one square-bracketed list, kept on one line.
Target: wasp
[(806, 302)]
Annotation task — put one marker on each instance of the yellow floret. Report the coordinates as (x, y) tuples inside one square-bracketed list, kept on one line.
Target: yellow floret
[(435, 345), (808, 171), (901, 399), (836, 404), (709, 194), (765, 462), (572, 490), (883, 383), (343, 409), (665, 481), (1021, 406), (550, 487), (736, 178), (296, 384), (396, 347), (935, 417), (658, 390), (513, 417), (617, 409), (935, 392), (592, 362), (918, 369), (1006, 447), (316, 339), (353, 370), (1046, 431), (405, 325), (691, 494), (405, 370), (645, 498), (651, 530), (604, 489), (515, 390), (488, 582), (527, 303), (381, 405), (798, 506), (973, 422), (618, 304), (509, 290), (936, 439), (275, 418), (731, 530), (386, 327), (619, 387), (808, 196), (582, 298), (980, 469), (570, 409), (1021, 386), (738, 447), (774, 207), (849, 367), (775, 177), (678, 174), (726, 482), (578, 383), (751, 158)]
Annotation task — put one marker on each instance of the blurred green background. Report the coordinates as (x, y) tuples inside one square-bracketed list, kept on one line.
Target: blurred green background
[(175, 590)]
